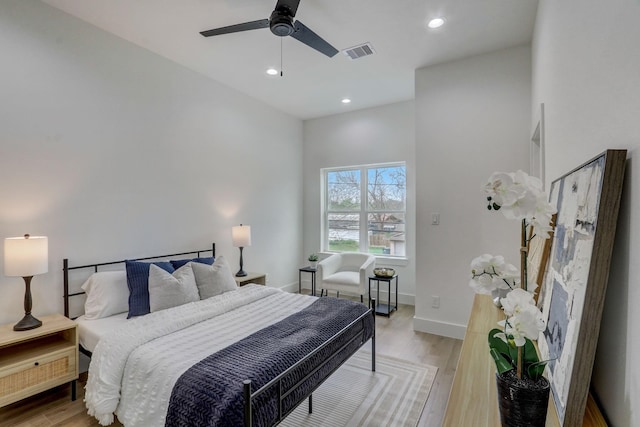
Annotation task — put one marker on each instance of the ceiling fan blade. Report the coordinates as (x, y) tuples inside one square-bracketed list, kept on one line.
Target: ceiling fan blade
[(303, 34), (246, 26), (292, 5)]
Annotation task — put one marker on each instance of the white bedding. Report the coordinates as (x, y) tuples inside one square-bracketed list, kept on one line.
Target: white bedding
[(90, 331), (133, 369)]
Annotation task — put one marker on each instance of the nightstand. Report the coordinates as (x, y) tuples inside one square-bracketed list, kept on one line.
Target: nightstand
[(312, 271), (384, 309), (257, 278), (38, 359)]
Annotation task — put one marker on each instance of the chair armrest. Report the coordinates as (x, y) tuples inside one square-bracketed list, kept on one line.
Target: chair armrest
[(328, 266), (366, 269)]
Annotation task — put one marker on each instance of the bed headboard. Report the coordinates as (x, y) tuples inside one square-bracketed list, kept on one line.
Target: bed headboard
[(95, 267)]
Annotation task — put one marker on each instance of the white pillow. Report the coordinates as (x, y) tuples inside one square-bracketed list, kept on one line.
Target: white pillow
[(107, 294), (213, 279), (168, 290)]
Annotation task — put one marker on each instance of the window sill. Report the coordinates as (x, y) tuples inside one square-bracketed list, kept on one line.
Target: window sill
[(397, 261), (380, 259)]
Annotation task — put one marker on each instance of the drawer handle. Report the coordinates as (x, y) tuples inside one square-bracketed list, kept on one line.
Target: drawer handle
[(37, 363)]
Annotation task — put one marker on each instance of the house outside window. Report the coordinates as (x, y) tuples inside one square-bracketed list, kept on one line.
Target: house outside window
[(364, 209)]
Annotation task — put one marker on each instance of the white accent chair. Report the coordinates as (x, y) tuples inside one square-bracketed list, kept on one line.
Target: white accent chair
[(346, 272)]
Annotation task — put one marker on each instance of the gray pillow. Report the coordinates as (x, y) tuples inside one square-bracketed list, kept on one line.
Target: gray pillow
[(213, 279), (168, 290)]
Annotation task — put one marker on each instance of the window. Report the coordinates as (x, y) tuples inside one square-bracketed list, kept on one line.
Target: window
[(365, 209)]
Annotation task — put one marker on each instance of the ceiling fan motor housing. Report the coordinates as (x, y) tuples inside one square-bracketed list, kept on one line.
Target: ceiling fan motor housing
[(281, 23)]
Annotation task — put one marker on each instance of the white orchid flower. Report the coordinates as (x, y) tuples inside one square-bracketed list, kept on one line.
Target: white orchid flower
[(490, 272), (516, 301), (520, 196), (501, 189), (527, 323)]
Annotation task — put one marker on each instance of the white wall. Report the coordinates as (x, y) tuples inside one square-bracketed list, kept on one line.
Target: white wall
[(586, 66), (114, 152), (472, 118), (373, 135)]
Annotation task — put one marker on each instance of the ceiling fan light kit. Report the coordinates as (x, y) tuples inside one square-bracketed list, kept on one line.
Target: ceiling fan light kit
[(281, 23)]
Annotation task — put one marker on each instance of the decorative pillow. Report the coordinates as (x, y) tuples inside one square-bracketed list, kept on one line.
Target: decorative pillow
[(138, 282), (168, 290), (180, 262), (214, 279), (107, 294)]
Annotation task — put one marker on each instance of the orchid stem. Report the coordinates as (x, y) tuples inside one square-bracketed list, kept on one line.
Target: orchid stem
[(523, 281), (519, 368)]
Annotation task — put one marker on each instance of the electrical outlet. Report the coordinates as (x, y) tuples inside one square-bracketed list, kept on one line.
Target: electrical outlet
[(435, 301), (435, 218)]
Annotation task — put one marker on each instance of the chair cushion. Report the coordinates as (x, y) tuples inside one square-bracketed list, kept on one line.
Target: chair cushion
[(349, 278)]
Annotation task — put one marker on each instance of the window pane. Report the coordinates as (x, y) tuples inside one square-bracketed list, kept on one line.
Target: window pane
[(386, 188), (387, 234), (343, 190), (344, 232)]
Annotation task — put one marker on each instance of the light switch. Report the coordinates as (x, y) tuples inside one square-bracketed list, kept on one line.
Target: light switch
[(435, 218)]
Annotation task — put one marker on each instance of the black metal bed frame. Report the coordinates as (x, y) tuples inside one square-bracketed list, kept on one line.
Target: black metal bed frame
[(65, 268), (249, 396)]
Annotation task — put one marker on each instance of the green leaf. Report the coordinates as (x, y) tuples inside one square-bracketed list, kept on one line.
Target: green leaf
[(530, 353), (497, 343), (535, 370), (502, 364), (513, 352)]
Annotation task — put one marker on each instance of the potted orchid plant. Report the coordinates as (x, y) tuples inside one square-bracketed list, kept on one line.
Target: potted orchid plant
[(519, 371)]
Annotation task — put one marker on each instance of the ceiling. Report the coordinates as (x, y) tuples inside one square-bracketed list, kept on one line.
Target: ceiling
[(313, 84)]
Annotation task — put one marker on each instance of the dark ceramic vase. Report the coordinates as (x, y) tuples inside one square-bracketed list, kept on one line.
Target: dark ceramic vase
[(522, 402)]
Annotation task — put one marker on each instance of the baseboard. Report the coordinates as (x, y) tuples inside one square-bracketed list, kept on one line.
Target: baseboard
[(435, 327), (291, 287), (405, 299)]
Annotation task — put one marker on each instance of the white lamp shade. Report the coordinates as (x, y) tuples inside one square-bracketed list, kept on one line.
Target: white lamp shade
[(25, 257), (241, 236)]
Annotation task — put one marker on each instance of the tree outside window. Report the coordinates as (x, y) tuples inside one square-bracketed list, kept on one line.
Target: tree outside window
[(365, 209)]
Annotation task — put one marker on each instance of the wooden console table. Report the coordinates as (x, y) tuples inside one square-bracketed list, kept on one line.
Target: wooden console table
[(473, 398)]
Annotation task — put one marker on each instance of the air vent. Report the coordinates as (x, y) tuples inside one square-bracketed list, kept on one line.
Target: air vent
[(359, 51)]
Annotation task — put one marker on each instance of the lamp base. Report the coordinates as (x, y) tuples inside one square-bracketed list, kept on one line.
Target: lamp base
[(241, 273), (27, 322)]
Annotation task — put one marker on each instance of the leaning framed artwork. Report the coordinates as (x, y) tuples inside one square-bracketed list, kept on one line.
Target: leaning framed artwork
[(538, 251), (575, 281)]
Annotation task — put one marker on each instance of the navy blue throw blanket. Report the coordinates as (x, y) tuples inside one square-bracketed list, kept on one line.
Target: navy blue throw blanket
[(210, 392)]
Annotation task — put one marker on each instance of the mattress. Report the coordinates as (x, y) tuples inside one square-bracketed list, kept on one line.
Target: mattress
[(133, 369), (90, 331)]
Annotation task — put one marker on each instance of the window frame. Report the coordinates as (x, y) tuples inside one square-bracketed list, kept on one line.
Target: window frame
[(364, 211)]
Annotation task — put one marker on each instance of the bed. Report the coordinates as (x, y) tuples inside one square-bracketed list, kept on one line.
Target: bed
[(246, 356)]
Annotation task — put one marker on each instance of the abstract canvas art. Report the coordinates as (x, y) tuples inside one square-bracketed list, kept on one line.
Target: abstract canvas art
[(575, 281)]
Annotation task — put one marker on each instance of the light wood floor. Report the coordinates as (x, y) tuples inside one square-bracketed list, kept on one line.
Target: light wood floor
[(395, 337)]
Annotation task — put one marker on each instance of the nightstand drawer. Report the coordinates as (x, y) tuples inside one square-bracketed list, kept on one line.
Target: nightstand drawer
[(37, 374)]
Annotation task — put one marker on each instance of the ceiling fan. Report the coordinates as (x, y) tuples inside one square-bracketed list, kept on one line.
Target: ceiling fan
[(281, 24)]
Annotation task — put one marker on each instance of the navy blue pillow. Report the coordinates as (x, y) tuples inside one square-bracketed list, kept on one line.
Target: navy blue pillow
[(180, 262), (138, 283)]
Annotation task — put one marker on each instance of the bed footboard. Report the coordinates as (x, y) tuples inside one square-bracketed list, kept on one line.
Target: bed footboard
[(305, 386)]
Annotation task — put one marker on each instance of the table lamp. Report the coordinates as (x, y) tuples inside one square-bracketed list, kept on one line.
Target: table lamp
[(25, 257), (241, 237)]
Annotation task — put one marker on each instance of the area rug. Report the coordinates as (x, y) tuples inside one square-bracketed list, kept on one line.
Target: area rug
[(394, 395)]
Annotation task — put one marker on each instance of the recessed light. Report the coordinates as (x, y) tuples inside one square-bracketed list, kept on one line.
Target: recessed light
[(436, 23), (272, 72), (346, 101)]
